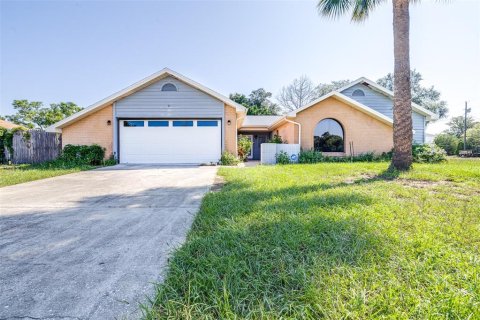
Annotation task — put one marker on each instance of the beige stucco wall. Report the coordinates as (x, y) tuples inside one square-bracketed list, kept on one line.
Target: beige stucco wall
[(367, 134), (92, 129), (230, 130), (288, 131)]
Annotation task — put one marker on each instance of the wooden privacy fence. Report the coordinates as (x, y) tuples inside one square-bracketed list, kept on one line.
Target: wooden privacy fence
[(35, 146)]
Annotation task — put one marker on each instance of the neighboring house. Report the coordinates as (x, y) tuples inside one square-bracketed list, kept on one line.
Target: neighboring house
[(168, 118), (8, 125)]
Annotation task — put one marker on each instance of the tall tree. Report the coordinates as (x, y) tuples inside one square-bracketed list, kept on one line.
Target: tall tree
[(402, 108), (57, 112), (27, 113), (456, 125), (258, 102), (325, 88), (426, 97), (32, 114), (298, 93)]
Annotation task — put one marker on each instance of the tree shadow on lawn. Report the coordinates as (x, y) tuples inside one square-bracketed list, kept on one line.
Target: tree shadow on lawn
[(252, 253)]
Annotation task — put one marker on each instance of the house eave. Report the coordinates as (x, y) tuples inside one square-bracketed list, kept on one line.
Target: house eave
[(139, 85)]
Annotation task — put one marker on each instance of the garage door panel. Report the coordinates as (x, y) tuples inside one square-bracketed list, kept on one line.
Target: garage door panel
[(182, 144)]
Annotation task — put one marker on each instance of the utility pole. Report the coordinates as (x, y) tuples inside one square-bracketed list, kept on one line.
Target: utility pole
[(465, 126)]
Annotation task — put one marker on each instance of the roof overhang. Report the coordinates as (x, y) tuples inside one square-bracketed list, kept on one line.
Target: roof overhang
[(353, 103), (375, 86), (138, 86)]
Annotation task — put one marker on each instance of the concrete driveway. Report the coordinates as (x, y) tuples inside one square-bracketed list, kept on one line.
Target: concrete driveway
[(90, 245)]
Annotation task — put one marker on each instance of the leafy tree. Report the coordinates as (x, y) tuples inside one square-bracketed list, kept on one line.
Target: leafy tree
[(426, 97), (456, 125), (28, 113), (244, 145), (447, 142), (325, 88), (32, 114), (297, 94), (258, 102), (473, 137), (57, 112), (402, 101)]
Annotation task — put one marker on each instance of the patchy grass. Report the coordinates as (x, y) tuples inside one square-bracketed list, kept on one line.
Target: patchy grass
[(335, 241), (15, 174)]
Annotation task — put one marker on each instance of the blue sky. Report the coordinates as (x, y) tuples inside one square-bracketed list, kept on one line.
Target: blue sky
[(83, 51)]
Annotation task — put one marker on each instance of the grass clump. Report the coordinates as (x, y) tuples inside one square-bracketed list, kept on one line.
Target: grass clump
[(331, 240), (73, 159), (15, 174), (229, 159)]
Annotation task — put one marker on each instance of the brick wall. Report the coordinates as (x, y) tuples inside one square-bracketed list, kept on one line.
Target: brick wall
[(288, 132), (230, 130), (92, 129), (366, 133)]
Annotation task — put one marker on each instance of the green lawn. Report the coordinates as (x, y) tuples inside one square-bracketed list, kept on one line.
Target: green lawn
[(14, 174), (335, 241)]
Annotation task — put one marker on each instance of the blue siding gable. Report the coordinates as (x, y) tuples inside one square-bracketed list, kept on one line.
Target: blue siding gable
[(152, 102), (384, 105)]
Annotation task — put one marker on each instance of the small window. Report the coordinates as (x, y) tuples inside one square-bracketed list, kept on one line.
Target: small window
[(162, 123), (133, 123), (207, 123), (183, 123), (169, 87), (358, 93)]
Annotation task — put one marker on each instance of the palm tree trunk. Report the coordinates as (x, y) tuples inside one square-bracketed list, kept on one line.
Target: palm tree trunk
[(402, 101)]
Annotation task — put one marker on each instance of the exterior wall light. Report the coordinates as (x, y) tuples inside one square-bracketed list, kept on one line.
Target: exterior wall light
[(229, 122), (109, 122)]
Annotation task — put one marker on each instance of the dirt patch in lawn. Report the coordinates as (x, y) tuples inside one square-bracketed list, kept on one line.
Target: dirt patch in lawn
[(218, 184), (438, 188), (361, 178), (424, 184)]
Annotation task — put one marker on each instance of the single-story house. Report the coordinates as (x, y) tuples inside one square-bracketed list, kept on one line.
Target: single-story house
[(169, 118)]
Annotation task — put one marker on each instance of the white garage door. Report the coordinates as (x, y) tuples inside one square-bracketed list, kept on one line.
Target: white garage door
[(170, 141)]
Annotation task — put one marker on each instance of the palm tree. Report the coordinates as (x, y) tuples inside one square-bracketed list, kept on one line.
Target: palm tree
[(402, 100)]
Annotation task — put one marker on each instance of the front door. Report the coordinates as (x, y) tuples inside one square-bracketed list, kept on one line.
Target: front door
[(258, 139)]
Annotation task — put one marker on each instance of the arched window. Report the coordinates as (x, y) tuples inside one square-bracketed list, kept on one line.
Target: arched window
[(328, 136), (169, 87), (358, 93)]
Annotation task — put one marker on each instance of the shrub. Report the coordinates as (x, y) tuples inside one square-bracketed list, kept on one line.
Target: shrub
[(310, 156), (83, 154), (447, 142), (473, 137), (244, 146), (365, 157), (282, 157), (228, 159), (6, 140), (428, 153), (110, 161), (276, 139)]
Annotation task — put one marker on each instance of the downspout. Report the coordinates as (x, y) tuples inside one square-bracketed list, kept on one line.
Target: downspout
[(299, 130)]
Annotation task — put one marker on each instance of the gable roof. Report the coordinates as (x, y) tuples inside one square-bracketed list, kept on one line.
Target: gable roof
[(353, 103), (375, 86), (138, 86)]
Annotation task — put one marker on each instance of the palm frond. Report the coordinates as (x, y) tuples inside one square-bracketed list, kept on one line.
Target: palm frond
[(362, 8), (334, 8)]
